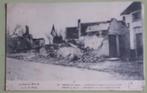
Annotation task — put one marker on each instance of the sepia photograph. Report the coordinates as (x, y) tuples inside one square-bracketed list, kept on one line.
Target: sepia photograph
[(75, 46)]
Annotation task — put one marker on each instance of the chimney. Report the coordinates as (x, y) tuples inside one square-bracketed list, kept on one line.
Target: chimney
[(79, 27), (27, 29), (124, 19)]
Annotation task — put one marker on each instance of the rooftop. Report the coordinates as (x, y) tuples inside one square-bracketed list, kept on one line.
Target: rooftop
[(132, 7)]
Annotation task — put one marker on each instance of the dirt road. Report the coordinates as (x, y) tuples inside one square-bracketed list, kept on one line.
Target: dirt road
[(25, 70)]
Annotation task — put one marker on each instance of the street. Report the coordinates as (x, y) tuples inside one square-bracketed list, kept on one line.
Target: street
[(23, 70)]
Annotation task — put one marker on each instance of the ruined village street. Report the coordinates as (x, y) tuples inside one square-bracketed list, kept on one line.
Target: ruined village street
[(22, 70)]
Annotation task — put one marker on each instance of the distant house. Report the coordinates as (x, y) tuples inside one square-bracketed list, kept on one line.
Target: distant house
[(132, 16), (38, 43), (109, 38), (23, 41), (72, 33)]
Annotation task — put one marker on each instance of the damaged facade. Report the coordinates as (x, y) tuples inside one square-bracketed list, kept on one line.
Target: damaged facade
[(109, 38)]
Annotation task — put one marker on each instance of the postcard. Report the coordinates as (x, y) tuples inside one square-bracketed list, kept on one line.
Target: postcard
[(75, 46)]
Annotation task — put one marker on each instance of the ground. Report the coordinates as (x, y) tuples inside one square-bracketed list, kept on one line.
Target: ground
[(24, 70), (54, 69)]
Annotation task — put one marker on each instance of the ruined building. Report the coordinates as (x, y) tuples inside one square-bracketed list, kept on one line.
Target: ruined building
[(109, 38)]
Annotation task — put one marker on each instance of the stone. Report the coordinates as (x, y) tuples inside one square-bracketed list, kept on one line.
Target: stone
[(69, 52)]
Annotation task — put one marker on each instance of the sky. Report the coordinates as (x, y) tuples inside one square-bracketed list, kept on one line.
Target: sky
[(41, 16)]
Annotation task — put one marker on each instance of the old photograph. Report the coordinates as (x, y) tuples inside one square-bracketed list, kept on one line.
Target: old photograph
[(75, 46)]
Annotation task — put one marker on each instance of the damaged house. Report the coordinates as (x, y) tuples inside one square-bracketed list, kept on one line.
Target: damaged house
[(133, 17), (108, 38), (22, 41)]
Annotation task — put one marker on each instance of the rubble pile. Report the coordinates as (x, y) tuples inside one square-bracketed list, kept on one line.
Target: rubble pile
[(66, 54), (89, 56), (69, 53)]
